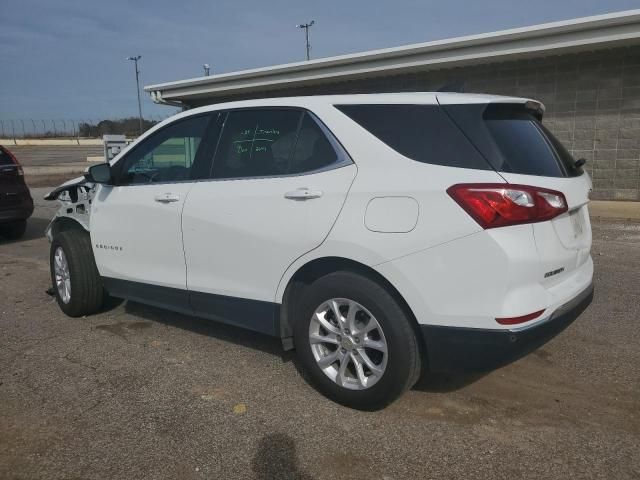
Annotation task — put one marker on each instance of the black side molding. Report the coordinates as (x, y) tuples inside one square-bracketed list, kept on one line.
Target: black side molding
[(256, 315)]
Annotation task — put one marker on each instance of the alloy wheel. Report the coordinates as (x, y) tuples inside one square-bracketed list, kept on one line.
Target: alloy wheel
[(61, 272), (348, 343)]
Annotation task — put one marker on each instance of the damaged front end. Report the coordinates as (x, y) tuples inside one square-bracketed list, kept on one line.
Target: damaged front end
[(75, 197)]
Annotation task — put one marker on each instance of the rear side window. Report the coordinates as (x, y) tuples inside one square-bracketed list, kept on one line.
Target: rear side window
[(420, 132), (513, 140), (5, 159)]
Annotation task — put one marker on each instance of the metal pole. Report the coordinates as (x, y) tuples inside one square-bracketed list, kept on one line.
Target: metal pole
[(306, 27), (2, 126), (24, 132), (306, 34), (135, 64), (35, 134), (138, 92)]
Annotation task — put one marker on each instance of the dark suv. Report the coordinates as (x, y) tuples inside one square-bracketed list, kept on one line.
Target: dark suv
[(16, 204)]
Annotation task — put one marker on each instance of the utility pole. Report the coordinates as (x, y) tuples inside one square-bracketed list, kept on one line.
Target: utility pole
[(206, 69), (306, 27), (135, 62)]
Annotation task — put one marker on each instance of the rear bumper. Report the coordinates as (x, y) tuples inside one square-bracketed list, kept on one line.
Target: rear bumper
[(475, 349), (21, 211)]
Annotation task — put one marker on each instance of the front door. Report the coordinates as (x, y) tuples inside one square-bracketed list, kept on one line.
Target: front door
[(278, 183), (136, 224)]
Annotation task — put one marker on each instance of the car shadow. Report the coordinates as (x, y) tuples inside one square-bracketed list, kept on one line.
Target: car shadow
[(35, 229), (428, 382), (446, 382), (276, 459), (210, 328)]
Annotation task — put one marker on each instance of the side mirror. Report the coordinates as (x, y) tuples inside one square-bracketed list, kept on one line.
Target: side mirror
[(579, 163), (100, 173)]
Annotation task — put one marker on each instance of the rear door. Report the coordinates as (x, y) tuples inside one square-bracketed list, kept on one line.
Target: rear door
[(278, 182), (523, 151)]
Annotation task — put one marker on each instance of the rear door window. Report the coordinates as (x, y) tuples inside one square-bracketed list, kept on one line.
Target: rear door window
[(423, 133), (313, 150), (271, 143), (256, 143), (513, 140)]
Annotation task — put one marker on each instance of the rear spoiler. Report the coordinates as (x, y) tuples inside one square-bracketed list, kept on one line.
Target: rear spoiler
[(451, 98)]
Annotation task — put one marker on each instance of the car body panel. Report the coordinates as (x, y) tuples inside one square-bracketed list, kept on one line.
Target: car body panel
[(137, 238), (240, 235)]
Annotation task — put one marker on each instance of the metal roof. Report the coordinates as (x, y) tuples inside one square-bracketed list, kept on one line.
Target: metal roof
[(588, 33)]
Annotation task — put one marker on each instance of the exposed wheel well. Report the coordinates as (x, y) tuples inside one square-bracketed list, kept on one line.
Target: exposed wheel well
[(320, 267), (63, 224)]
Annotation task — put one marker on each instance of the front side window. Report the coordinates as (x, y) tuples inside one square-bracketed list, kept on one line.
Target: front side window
[(169, 155), (266, 143)]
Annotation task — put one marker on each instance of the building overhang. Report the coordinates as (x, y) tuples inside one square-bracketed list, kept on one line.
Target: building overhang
[(557, 38)]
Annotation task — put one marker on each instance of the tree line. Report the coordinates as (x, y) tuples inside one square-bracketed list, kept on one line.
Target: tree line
[(122, 126)]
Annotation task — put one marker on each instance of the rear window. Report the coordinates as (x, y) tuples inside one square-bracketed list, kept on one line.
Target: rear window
[(5, 159), (513, 140), (422, 133)]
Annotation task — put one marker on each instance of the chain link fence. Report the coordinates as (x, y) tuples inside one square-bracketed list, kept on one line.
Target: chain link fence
[(73, 128)]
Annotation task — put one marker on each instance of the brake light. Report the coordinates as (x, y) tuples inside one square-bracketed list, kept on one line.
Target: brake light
[(516, 320), (501, 204), (14, 160)]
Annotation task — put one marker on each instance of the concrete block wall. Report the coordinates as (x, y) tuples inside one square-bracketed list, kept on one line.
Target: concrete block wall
[(592, 102)]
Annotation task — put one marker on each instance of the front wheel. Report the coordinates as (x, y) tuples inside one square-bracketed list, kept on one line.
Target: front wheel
[(76, 281), (355, 341)]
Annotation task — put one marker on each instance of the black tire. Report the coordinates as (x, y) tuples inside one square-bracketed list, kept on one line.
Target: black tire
[(87, 293), (13, 230), (403, 358)]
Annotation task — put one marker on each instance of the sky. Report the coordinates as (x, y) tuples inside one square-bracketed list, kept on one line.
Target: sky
[(65, 59)]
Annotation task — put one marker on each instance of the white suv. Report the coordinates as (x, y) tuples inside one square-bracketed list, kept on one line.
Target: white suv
[(377, 234)]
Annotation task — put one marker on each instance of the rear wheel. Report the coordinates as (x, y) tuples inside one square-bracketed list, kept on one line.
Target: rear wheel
[(13, 230), (76, 282), (355, 341)]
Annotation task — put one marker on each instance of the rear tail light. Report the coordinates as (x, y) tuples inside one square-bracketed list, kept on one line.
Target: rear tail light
[(14, 160), (501, 204)]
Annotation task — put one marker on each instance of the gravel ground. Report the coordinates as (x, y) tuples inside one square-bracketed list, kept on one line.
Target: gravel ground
[(136, 392)]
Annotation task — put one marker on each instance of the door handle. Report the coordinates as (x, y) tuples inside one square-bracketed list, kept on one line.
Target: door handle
[(303, 194), (167, 198)]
